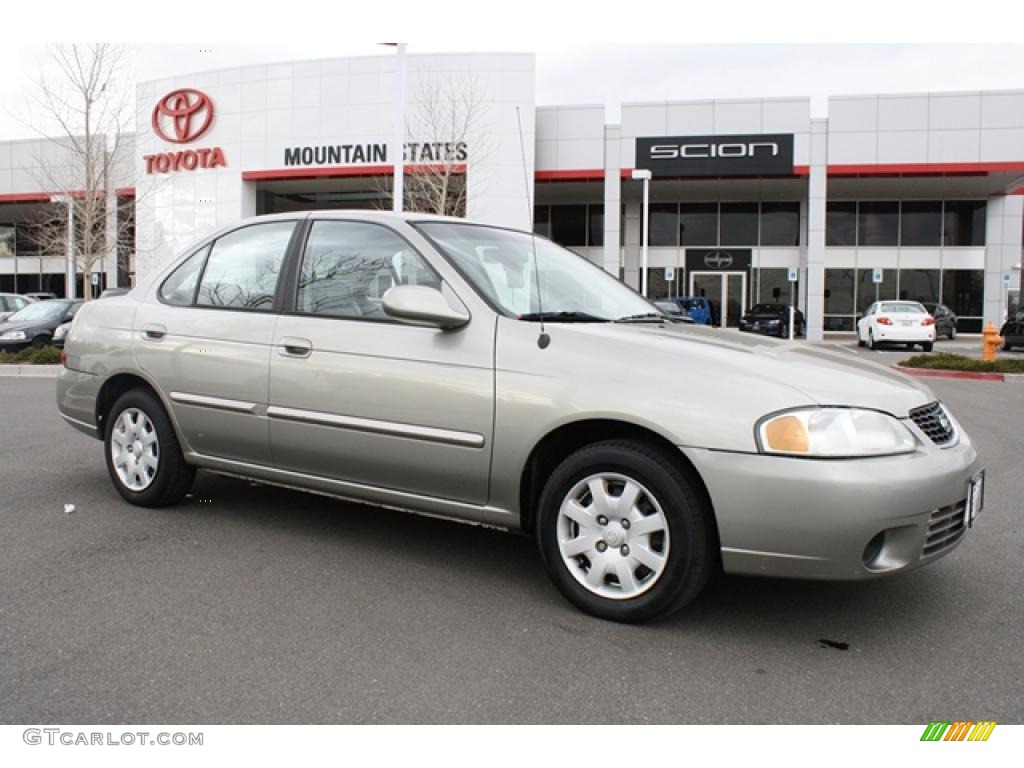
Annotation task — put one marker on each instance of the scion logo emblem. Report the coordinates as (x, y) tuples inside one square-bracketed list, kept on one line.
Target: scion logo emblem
[(718, 260), (187, 112)]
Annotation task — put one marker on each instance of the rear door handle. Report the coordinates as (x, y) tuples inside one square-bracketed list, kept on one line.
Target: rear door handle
[(295, 347), (154, 331)]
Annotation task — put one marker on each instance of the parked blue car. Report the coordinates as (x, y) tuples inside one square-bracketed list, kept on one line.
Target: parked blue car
[(698, 308)]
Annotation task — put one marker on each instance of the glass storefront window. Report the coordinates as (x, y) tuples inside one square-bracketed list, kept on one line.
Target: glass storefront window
[(963, 290), (878, 223), (963, 222), (738, 224), (839, 291), (841, 224), (869, 292), (542, 220), (774, 287), (569, 224), (921, 223), (920, 285), (7, 240), (664, 224), (595, 225), (780, 223), (698, 224)]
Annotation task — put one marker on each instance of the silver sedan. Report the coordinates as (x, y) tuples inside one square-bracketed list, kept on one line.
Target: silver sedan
[(489, 376)]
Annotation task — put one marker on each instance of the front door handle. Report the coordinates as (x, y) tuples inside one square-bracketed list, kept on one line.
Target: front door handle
[(154, 331), (295, 347)]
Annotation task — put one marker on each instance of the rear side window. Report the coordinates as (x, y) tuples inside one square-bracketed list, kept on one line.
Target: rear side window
[(180, 287), (244, 266), (348, 266)]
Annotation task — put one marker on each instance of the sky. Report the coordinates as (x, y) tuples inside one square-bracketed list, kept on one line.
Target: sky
[(583, 57)]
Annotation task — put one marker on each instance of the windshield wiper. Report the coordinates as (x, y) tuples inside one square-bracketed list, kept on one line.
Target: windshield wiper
[(647, 317), (563, 317)]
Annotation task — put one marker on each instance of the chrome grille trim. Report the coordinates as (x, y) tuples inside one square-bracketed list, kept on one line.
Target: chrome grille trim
[(929, 419)]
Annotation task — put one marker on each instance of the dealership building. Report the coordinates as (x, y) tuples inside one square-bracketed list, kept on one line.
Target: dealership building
[(917, 196)]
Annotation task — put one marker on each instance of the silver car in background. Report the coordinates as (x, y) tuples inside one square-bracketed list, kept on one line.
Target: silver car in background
[(490, 376)]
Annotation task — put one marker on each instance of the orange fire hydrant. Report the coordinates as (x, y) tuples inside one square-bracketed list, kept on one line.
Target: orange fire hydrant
[(991, 342)]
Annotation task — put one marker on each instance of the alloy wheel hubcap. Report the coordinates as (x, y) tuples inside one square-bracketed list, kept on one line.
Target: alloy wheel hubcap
[(134, 449), (613, 536)]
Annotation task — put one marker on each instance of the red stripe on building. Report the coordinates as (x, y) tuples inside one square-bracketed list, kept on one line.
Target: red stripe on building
[(580, 174), (44, 197), (344, 171), (924, 169)]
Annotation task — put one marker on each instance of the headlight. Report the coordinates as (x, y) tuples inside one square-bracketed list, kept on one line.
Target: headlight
[(13, 336), (833, 433)]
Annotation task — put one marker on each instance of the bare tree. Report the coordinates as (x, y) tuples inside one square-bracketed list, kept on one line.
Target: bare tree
[(443, 134), (88, 102)]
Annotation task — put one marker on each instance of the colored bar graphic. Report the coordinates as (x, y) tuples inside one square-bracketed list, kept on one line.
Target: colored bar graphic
[(935, 730), (982, 730)]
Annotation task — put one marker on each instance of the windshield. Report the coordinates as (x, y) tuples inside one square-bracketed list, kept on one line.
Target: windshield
[(40, 312), (906, 307), (500, 265), (769, 309), (692, 303)]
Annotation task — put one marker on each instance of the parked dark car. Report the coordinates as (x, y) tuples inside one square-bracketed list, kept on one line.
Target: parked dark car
[(1013, 331), (945, 319), (35, 325), (698, 307), (772, 320)]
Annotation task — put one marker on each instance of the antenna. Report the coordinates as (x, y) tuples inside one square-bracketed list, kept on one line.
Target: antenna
[(543, 340)]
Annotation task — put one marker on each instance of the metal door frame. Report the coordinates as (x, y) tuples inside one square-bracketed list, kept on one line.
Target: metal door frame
[(723, 291)]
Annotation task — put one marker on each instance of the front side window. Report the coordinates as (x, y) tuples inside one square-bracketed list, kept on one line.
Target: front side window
[(502, 266), (348, 266), (243, 267)]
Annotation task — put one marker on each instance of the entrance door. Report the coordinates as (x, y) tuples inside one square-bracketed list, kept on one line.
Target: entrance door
[(727, 292)]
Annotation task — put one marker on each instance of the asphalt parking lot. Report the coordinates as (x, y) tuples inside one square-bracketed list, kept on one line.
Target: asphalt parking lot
[(250, 604)]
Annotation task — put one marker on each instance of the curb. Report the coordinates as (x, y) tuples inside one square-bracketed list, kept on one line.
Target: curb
[(928, 373), (31, 371)]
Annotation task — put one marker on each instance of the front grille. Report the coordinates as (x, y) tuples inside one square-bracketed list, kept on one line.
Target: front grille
[(933, 421), (945, 528)]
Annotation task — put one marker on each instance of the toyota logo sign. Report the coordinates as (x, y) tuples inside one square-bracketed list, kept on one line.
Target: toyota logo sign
[(718, 260), (187, 112)]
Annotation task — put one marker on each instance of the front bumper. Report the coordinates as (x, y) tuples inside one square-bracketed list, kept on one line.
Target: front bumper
[(837, 519)]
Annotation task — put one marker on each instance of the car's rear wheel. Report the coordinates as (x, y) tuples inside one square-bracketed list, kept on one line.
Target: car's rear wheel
[(143, 455), (872, 344), (623, 533), (928, 346)]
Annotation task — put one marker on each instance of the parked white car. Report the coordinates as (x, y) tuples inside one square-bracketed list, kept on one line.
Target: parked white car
[(896, 322)]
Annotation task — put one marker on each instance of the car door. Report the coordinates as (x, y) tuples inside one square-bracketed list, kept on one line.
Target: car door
[(206, 340), (358, 397)]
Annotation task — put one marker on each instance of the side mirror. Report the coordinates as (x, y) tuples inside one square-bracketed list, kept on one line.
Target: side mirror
[(423, 305)]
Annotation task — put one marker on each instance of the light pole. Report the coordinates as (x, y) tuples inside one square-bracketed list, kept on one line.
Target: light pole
[(398, 143), (70, 271), (644, 175)]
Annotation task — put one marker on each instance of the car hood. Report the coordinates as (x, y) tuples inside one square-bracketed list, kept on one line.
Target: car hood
[(764, 316), (823, 375)]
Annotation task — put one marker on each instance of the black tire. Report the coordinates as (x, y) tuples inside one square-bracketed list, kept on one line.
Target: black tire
[(689, 560), (952, 332), (872, 344), (40, 341), (928, 346), (173, 476), (1007, 346)]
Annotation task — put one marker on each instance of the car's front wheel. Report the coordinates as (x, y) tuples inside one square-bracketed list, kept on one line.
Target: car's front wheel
[(143, 456), (623, 533), (952, 332)]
